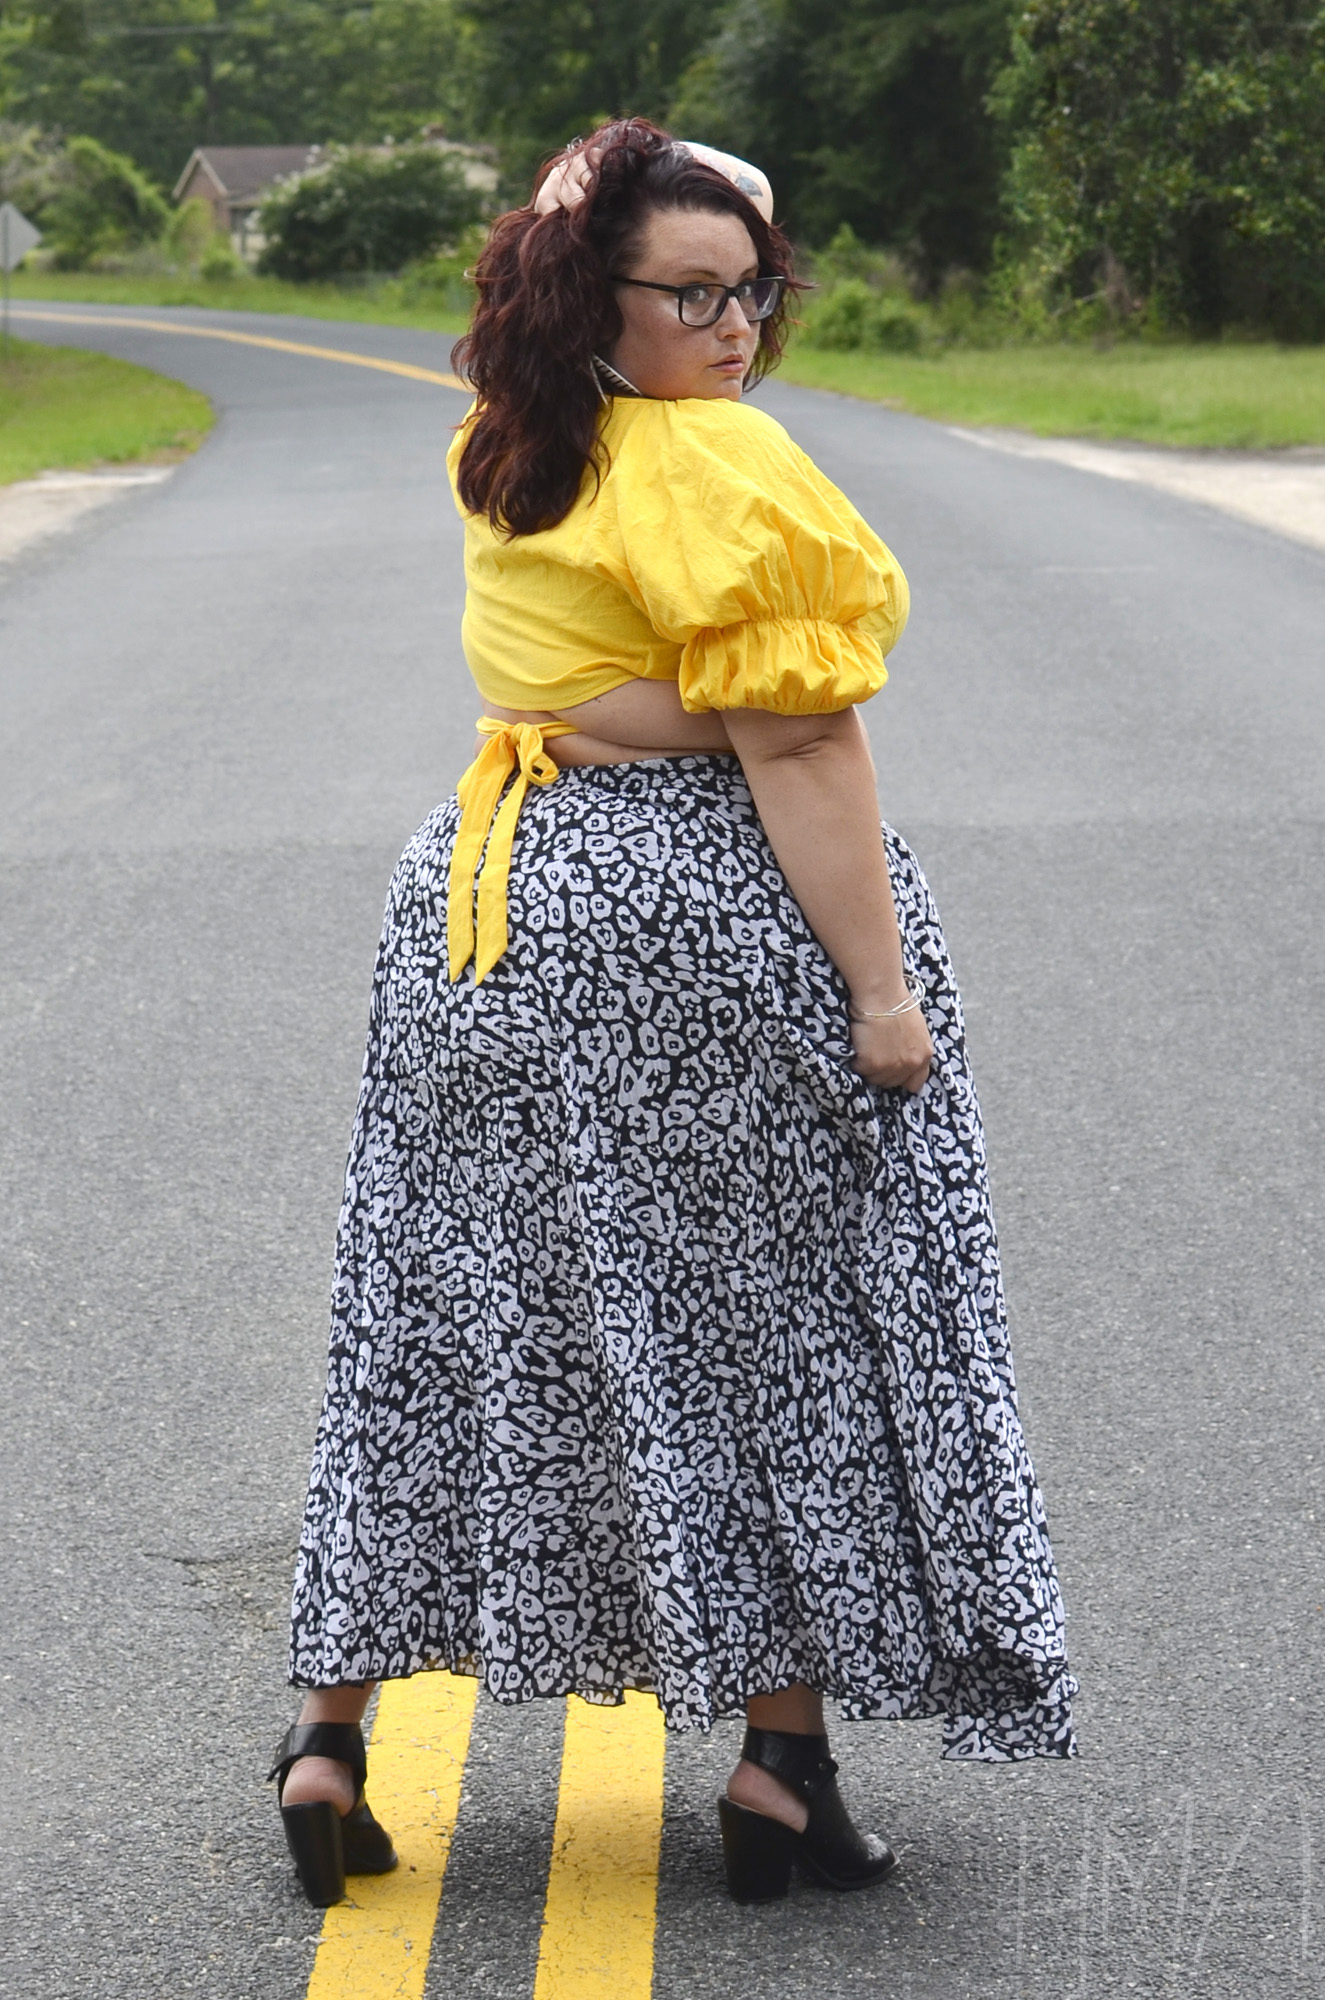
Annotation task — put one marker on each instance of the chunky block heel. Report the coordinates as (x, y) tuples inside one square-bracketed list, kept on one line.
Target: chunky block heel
[(312, 1834), (758, 1853), (326, 1845)]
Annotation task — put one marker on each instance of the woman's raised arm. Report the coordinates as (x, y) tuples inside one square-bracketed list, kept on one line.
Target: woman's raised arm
[(813, 783)]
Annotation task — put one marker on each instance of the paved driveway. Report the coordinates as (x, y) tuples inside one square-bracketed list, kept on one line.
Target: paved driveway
[(226, 703)]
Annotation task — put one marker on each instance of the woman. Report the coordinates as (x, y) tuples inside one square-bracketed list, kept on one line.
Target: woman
[(668, 1344)]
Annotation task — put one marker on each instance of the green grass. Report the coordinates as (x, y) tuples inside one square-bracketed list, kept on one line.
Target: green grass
[(382, 302), (61, 408), (1249, 398)]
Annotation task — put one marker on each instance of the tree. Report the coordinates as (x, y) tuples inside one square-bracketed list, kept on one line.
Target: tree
[(535, 76), (103, 203), (29, 166), (155, 78), (871, 112), (363, 211), (1172, 152), (87, 199)]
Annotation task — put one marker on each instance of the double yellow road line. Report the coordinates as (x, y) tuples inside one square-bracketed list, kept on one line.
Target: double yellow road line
[(599, 1911), (407, 368)]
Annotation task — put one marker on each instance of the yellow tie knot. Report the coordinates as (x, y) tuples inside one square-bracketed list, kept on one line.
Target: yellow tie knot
[(513, 748), (535, 764)]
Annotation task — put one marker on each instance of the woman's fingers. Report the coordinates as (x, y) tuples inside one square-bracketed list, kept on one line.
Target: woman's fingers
[(893, 1054), (564, 186), (884, 1079)]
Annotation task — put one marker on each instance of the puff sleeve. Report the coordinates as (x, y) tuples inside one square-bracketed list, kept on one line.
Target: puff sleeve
[(739, 550)]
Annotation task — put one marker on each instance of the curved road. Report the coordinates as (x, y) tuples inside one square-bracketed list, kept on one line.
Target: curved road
[(227, 702)]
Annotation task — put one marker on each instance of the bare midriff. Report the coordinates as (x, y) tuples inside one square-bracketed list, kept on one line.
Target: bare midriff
[(628, 725)]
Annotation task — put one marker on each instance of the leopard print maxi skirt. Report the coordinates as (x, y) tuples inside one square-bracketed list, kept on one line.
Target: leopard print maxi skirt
[(666, 1353)]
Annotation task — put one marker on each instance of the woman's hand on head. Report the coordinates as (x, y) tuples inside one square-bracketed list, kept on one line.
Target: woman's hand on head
[(893, 1054), (568, 179), (566, 183)]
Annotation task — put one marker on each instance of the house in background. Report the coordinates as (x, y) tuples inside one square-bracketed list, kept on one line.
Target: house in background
[(232, 180)]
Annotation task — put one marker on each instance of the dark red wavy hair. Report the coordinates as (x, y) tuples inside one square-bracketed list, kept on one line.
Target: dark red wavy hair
[(546, 305)]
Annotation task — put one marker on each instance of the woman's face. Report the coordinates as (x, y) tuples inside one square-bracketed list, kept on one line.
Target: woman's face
[(660, 356)]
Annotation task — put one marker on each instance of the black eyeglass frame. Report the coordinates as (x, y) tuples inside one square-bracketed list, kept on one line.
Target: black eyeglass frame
[(729, 292)]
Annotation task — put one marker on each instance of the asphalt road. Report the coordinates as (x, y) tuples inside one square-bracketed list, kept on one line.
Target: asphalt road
[(227, 702)]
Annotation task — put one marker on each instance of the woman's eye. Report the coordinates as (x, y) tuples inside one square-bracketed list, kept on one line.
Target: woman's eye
[(698, 295)]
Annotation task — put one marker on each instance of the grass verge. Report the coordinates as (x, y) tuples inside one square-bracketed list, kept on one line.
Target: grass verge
[(61, 408), (381, 302), (1248, 398)]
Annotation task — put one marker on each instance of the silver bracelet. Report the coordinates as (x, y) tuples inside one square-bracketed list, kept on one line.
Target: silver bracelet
[(908, 1006)]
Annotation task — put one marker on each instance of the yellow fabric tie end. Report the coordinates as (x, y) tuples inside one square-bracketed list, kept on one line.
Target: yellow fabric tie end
[(487, 821)]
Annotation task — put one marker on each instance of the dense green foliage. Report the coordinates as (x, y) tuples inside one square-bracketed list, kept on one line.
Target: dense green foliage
[(535, 75), (102, 202), (1170, 154), (1088, 165), (362, 211), (85, 199), (869, 112), (155, 78)]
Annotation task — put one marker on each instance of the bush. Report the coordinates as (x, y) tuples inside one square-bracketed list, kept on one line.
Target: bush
[(219, 264), (192, 231), (443, 280), (862, 301), (852, 315), (366, 211), (847, 257), (100, 203)]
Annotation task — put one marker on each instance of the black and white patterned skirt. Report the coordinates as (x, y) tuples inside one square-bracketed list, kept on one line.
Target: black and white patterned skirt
[(666, 1353)]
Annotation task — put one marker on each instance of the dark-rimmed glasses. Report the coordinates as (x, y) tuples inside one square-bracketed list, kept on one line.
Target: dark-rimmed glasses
[(704, 305)]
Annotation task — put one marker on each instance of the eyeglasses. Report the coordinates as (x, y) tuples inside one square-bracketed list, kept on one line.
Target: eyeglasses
[(704, 305)]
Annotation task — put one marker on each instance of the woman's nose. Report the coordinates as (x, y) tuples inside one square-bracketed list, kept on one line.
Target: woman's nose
[(732, 319)]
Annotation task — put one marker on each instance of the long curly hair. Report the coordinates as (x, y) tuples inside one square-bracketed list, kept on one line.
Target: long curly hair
[(546, 305)]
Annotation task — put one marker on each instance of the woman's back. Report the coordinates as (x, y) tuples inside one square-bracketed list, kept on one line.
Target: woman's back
[(699, 524)]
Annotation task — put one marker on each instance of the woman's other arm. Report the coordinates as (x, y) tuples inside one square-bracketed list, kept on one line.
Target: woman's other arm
[(813, 783)]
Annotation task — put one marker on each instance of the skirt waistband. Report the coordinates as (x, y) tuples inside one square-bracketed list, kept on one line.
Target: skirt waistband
[(515, 755)]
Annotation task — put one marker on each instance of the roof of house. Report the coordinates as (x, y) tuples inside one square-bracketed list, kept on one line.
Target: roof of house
[(242, 172)]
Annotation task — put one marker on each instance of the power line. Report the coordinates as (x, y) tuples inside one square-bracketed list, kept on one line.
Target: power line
[(117, 30), (196, 28)]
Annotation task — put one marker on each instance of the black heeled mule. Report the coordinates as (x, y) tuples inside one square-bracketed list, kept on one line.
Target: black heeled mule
[(759, 1851), (327, 1845)]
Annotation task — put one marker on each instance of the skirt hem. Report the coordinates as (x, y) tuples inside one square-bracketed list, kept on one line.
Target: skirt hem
[(1041, 1727)]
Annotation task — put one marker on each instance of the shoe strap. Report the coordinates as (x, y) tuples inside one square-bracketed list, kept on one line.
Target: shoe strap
[(342, 1741), (801, 1762)]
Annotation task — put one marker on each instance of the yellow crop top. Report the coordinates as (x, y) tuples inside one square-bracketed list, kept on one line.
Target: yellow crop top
[(713, 553)]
